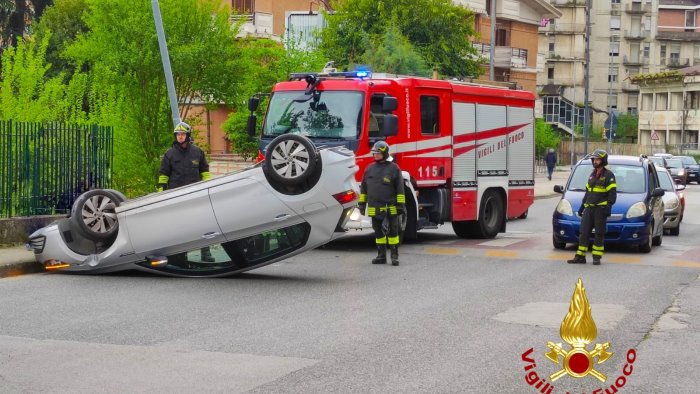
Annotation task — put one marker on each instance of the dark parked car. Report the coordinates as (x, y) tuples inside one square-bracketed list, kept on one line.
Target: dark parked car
[(692, 168), (675, 166), (637, 215)]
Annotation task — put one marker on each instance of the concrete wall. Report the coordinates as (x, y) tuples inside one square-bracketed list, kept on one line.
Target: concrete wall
[(15, 231)]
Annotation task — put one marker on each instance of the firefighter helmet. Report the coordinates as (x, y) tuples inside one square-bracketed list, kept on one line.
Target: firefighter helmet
[(599, 154), (182, 127), (381, 147)]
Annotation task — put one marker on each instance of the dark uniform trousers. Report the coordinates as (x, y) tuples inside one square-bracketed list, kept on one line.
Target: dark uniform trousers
[(596, 218)]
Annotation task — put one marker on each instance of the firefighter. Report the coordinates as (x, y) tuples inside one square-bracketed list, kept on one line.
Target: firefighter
[(601, 193), (382, 196), (182, 164)]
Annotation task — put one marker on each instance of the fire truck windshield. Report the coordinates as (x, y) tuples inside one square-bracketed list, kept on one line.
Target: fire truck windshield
[(327, 114)]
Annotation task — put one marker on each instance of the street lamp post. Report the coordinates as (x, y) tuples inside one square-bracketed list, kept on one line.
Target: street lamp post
[(165, 58)]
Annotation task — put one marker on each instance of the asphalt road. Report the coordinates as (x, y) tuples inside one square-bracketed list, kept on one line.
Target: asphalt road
[(455, 317)]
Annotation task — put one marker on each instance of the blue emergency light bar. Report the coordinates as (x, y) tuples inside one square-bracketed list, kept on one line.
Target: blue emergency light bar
[(361, 74)]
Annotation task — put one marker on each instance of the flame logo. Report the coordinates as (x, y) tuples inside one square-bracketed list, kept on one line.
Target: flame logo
[(578, 330)]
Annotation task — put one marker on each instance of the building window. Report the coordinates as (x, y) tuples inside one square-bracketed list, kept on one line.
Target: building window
[(614, 1), (661, 101), (612, 101), (645, 50), (647, 100), (690, 20), (550, 73), (551, 47), (429, 111), (243, 6), (615, 22), (614, 47), (662, 51), (693, 100), (501, 37), (612, 74)]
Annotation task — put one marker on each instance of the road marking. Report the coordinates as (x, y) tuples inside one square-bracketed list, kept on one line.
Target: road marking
[(624, 259), (559, 256), (501, 242), (501, 253), (687, 264), (442, 250)]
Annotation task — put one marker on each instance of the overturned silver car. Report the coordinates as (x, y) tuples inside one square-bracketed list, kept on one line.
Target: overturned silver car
[(298, 198)]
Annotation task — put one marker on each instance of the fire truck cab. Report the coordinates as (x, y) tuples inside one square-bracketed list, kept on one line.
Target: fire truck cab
[(466, 150)]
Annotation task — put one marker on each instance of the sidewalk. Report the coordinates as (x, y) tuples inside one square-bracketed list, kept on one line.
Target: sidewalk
[(17, 260)]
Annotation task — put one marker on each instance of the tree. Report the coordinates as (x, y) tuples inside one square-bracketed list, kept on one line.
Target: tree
[(545, 137), (627, 126), (63, 20), (393, 53), (121, 51), (14, 15), (439, 30)]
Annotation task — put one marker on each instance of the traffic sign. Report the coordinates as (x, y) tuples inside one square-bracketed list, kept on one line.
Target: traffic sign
[(654, 136)]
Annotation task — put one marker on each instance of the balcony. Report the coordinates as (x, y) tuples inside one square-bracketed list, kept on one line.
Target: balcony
[(567, 28), (678, 36), (628, 86), (676, 62), (258, 24), (635, 60), (564, 57), (566, 81), (638, 8), (568, 3), (637, 35), (505, 57)]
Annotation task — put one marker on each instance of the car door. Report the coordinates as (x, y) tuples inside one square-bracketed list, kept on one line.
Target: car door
[(247, 207), (656, 203)]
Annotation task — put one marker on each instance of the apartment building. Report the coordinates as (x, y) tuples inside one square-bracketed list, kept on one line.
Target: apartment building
[(517, 23), (623, 43), (276, 18)]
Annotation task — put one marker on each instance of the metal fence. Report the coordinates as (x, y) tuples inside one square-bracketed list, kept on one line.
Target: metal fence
[(44, 167)]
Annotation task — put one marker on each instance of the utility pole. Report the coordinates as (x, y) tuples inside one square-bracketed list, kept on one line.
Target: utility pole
[(165, 58), (586, 73), (610, 110), (492, 50)]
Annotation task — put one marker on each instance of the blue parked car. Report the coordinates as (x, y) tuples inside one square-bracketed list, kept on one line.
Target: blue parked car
[(637, 215)]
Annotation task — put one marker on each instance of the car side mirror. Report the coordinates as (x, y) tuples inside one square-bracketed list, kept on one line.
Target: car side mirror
[(389, 104), (658, 192), (559, 189), (252, 123), (390, 126), (253, 103)]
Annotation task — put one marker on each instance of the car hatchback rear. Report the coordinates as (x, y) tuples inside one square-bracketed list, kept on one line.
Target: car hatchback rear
[(637, 215)]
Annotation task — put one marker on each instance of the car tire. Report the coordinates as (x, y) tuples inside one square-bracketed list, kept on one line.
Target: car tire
[(290, 160), (94, 214), (491, 216), (558, 244), (646, 247), (658, 240), (675, 231)]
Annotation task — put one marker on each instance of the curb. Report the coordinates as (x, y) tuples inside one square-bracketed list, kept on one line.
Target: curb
[(16, 269)]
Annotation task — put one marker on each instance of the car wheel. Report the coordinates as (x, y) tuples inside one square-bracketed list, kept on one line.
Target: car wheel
[(290, 159), (94, 214), (656, 241), (646, 247), (675, 231), (558, 244), (119, 195)]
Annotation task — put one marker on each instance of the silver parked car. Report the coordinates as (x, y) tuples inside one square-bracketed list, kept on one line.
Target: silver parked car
[(297, 199), (673, 204)]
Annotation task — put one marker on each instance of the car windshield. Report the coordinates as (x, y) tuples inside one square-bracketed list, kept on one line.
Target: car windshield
[(674, 163), (666, 181), (327, 114), (657, 160), (688, 161), (629, 179)]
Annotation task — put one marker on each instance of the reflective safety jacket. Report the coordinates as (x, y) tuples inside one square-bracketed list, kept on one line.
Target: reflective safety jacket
[(382, 188), (601, 190), (180, 167)]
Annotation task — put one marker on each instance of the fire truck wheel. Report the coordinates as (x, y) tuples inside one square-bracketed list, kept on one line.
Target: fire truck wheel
[(491, 216), (93, 214), (290, 160)]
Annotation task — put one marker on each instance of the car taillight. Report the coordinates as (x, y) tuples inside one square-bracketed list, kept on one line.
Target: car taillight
[(346, 197), (260, 157)]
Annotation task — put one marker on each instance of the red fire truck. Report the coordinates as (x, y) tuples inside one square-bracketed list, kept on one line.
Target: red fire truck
[(467, 150)]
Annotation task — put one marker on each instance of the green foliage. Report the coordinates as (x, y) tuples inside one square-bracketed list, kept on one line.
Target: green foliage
[(663, 76), (627, 126), (437, 29), (545, 137), (120, 48), (393, 53), (63, 21)]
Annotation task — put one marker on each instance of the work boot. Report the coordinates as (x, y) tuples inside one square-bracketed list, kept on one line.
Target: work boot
[(578, 259), (206, 255), (381, 255), (394, 255), (596, 260)]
